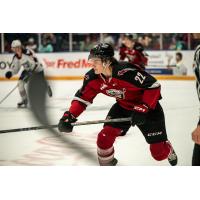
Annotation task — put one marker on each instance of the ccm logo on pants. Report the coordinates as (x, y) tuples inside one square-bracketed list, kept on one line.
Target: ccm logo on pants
[(154, 134)]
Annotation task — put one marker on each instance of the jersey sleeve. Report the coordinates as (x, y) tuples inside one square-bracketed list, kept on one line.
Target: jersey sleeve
[(148, 85), (31, 53), (85, 95), (122, 54), (151, 88), (15, 65)]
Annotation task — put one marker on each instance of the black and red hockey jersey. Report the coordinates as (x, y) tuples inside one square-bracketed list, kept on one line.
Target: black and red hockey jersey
[(135, 56), (128, 85)]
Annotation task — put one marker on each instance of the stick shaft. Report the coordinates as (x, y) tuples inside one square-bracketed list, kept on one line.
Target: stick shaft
[(8, 94), (101, 121), (73, 124)]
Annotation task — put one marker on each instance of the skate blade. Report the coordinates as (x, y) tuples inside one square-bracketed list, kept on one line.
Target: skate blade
[(22, 107)]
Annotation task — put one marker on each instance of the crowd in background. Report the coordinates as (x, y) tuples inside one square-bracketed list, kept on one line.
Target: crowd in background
[(60, 42)]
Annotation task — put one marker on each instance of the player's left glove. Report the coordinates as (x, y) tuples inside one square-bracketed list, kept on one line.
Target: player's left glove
[(139, 114), (27, 76), (64, 124)]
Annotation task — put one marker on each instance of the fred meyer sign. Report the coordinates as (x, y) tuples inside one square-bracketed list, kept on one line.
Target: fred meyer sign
[(75, 64)]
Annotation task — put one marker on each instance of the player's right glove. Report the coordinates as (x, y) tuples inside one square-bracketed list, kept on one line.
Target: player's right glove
[(8, 74), (65, 122), (139, 114)]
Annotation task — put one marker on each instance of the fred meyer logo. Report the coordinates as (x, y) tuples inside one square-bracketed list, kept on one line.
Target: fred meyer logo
[(62, 64), (4, 64)]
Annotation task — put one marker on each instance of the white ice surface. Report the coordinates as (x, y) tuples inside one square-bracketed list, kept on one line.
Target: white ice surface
[(180, 105)]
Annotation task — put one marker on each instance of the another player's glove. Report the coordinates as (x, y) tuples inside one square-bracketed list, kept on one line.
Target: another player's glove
[(27, 76), (139, 114), (65, 122), (8, 74), (138, 47)]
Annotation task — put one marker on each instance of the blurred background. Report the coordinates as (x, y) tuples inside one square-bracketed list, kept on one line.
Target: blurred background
[(68, 42), (64, 55)]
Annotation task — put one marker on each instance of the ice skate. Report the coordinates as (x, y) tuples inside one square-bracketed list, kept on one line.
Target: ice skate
[(172, 158), (23, 104), (111, 163)]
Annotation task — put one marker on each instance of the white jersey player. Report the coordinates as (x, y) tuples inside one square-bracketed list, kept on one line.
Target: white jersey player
[(24, 58)]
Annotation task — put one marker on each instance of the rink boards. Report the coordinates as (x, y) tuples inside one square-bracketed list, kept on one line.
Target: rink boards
[(73, 65)]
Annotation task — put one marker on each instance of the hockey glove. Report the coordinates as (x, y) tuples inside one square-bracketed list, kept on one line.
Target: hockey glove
[(138, 47), (8, 74), (65, 122), (27, 76), (139, 114)]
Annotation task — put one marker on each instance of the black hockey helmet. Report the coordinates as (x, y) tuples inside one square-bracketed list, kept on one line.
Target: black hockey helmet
[(103, 51)]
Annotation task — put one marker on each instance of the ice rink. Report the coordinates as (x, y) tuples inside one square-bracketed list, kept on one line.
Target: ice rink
[(41, 147)]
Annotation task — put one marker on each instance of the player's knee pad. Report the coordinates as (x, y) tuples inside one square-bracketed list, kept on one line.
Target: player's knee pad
[(107, 137), (21, 84), (160, 151), (22, 90)]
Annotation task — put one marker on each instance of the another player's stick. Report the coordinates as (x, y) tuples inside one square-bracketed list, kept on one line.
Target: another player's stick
[(9, 94), (73, 124)]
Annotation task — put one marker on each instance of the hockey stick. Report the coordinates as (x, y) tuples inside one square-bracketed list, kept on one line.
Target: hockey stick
[(9, 93), (73, 124)]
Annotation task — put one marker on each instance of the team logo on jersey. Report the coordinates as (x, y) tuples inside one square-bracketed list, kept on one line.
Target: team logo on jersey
[(26, 64), (118, 94)]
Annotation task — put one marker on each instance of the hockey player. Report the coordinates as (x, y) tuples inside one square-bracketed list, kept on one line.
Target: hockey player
[(137, 95), (196, 132), (133, 51), (27, 59)]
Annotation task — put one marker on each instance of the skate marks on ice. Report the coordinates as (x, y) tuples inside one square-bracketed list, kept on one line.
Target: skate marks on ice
[(37, 92), (53, 150)]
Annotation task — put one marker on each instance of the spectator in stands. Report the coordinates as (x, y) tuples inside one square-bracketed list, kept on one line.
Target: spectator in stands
[(145, 40), (7, 47), (120, 41), (155, 41), (46, 46), (49, 37), (195, 38), (87, 44), (64, 45), (178, 67), (180, 44), (172, 45), (31, 44)]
